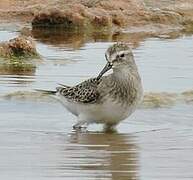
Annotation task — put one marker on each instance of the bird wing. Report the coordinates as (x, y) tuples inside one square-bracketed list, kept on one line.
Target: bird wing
[(85, 92)]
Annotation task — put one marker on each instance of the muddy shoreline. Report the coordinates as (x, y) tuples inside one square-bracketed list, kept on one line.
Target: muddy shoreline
[(144, 15)]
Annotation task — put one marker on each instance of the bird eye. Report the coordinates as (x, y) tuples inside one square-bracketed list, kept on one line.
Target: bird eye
[(122, 55)]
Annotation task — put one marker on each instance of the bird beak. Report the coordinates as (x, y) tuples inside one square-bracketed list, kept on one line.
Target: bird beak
[(105, 69)]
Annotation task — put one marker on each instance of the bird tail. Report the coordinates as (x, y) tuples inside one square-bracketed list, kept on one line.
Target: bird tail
[(48, 92)]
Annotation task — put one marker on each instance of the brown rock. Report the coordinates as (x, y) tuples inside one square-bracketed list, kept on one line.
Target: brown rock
[(78, 18), (165, 17), (99, 18), (118, 18), (131, 5), (17, 47), (65, 19)]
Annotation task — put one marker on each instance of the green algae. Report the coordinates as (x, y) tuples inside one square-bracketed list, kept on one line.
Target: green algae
[(15, 65)]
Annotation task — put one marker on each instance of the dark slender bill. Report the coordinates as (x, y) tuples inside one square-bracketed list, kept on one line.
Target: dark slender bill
[(107, 67)]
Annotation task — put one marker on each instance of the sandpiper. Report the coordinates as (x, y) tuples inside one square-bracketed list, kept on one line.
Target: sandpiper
[(106, 99)]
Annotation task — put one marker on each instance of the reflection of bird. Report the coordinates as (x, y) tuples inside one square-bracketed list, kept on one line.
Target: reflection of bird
[(106, 99), (102, 156)]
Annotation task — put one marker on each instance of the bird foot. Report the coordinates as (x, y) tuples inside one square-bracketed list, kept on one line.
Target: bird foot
[(110, 128), (79, 127)]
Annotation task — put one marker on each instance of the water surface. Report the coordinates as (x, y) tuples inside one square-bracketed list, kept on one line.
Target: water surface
[(36, 138)]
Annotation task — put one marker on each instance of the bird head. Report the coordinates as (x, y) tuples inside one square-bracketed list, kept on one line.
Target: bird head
[(118, 56)]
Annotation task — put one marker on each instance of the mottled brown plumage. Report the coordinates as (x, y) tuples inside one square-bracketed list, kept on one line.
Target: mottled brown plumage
[(85, 92)]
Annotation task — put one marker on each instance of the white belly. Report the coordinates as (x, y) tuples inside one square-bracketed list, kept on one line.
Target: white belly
[(108, 112)]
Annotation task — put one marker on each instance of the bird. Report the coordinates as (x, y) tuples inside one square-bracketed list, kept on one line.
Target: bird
[(105, 99)]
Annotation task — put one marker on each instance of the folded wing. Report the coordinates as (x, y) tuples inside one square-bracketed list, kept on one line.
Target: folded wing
[(85, 92)]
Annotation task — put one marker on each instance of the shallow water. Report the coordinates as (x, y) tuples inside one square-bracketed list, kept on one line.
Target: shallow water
[(36, 138)]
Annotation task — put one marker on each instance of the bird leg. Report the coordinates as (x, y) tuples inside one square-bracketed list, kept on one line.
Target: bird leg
[(79, 125), (110, 128)]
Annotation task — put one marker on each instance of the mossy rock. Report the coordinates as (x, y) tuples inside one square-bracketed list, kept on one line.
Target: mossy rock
[(21, 46)]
